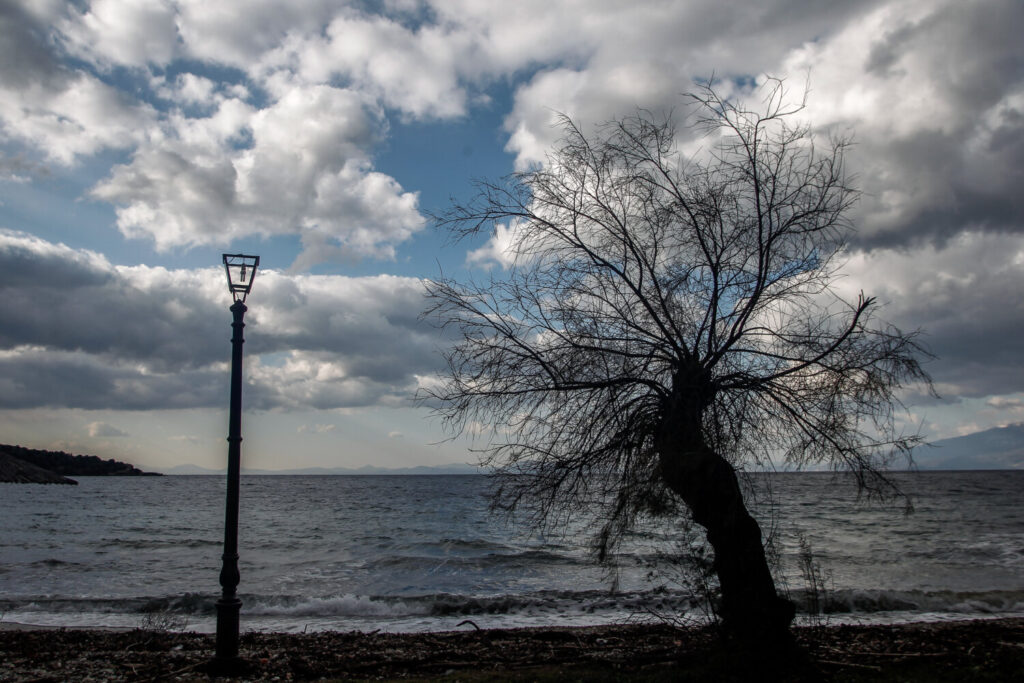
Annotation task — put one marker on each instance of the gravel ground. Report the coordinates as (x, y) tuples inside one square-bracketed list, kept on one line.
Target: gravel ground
[(989, 650)]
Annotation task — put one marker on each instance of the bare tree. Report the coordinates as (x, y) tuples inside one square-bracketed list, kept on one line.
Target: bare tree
[(668, 319)]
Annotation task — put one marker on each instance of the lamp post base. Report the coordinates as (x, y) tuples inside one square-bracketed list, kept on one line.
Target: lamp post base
[(231, 667), (227, 662), (227, 628)]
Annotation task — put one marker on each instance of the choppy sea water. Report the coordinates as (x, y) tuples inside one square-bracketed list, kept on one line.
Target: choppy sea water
[(411, 553)]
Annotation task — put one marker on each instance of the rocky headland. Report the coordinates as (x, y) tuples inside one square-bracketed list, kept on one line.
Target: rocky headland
[(15, 471), (22, 465)]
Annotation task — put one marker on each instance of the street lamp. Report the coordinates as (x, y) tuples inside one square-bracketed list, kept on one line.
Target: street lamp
[(241, 270)]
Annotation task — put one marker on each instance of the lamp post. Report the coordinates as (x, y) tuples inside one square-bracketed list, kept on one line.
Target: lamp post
[(241, 271)]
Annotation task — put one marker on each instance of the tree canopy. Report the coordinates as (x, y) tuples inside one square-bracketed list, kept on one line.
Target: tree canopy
[(667, 298)]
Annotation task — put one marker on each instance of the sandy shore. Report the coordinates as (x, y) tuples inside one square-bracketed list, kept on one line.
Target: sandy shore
[(989, 650)]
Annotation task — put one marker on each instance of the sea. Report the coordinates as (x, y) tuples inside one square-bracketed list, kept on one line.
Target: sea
[(423, 553)]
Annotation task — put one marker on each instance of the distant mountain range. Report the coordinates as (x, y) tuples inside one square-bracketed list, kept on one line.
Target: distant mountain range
[(999, 448), (454, 468)]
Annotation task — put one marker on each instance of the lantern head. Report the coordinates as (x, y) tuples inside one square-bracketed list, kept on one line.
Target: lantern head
[(241, 270)]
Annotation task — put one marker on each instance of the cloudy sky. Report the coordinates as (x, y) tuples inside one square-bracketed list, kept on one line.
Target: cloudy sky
[(139, 139)]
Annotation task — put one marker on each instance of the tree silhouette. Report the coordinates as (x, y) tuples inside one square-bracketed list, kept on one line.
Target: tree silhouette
[(667, 319)]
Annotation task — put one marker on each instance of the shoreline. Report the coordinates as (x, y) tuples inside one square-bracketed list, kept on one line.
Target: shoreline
[(989, 649), (208, 627), (249, 624), (20, 626)]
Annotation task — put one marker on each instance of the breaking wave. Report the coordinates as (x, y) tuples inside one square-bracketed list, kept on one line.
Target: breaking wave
[(287, 612)]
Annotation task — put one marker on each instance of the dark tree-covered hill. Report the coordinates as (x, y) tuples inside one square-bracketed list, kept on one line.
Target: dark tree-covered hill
[(68, 465), (15, 471)]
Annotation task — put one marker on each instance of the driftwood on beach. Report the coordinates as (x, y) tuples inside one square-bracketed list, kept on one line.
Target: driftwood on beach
[(991, 650)]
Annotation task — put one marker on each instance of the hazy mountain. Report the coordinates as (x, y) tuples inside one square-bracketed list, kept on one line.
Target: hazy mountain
[(1000, 448), (454, 468), (189, 469)]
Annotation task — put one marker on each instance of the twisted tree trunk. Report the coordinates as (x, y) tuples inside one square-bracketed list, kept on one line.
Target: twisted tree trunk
[(751, 609)]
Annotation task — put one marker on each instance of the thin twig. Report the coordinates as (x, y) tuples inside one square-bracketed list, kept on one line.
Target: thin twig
[(858, 666), (172, 673)]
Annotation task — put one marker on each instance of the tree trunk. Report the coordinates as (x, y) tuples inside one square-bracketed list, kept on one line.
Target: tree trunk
[(751, 610)]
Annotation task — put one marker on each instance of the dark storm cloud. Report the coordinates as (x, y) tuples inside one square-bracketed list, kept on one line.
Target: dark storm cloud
[(373, 322), (964, 295), (28, 262), (26, 57), (33, 378), (79, 332), (951, 149), (953, 188), (977, 342), (67, 300)]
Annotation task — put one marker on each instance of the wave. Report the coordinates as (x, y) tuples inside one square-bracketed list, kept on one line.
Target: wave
[(355, 606), (186, 603), (148, 543), (54, 562), (505, 561), (916, 601), (448, 604), (565, 604)]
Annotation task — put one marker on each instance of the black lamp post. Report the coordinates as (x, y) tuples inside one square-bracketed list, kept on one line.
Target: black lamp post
[(241, 270)]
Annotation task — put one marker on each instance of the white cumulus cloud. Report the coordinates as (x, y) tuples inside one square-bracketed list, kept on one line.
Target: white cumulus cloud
[(299, 166), (102, 429), (80, 332)]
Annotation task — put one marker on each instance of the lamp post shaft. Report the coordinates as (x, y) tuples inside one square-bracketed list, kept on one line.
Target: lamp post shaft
[(229, 605)]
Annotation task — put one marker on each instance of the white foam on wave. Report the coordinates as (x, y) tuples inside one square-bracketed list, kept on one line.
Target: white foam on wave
[(930, 602), (341, 605)]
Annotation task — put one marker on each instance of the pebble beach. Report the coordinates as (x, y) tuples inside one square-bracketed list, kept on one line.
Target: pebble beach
[(979, 650)]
